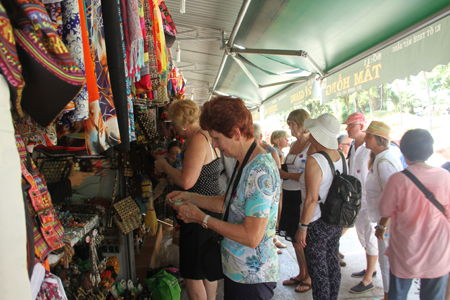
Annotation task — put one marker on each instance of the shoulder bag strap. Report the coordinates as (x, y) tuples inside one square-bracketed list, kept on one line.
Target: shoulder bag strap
[(237, 179), (378, 170), (424, 190), (349, 154)]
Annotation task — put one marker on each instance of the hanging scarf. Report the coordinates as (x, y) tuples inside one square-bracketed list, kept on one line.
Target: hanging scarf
[(73, 40), (131, 129), (136, 58), (152, 61), (169, 25), (101, 127), (158, 36), (89, 68)]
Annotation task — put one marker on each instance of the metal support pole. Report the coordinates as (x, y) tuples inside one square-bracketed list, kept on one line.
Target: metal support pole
[(313, 63), (236, 27), (246, 71), (238, 23), (300, 53), (299, 79)]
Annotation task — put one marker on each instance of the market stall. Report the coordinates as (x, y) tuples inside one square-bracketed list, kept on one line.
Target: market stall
[(84, 100)]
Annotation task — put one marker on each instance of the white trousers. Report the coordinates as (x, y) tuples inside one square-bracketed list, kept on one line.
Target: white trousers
[(366, 233), (384, 260)]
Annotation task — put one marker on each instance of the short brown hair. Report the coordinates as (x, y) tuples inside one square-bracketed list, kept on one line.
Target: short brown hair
[(183, 112), (223, 114), (277, 135)]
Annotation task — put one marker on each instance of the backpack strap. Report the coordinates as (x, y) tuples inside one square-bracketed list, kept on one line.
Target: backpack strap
[(330, 162), (424, 190), (378, 169)]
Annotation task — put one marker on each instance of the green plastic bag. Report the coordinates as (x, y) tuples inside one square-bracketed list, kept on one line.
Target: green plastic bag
[(164, 286)]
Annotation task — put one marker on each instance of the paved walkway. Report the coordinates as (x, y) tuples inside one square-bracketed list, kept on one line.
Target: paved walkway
[(355, 258)]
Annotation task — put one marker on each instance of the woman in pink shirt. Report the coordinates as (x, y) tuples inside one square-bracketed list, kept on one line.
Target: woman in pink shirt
[(419, 231)]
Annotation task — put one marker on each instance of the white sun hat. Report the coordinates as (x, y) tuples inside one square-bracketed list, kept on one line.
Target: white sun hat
[(324, 130)]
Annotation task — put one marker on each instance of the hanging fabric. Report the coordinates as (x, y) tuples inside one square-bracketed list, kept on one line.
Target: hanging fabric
[(47, 63), (72, 38), (169, 25), (116, 63), (152, 61), (136, 56), (158, 36), (101, 127), (131, 128)]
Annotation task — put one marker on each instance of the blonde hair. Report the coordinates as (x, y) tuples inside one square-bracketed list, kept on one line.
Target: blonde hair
[(257, 131), (278, 135), (183, 112), (299, 116)]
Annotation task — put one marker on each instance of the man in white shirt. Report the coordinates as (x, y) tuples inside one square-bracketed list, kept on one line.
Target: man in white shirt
[(358, 158)]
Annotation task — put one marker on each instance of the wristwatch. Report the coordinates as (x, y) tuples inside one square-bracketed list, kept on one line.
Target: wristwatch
[(205, 222), (303, 226), (382, 227)]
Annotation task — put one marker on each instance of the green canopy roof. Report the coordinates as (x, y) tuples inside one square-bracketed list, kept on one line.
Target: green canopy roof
[(332, 32)]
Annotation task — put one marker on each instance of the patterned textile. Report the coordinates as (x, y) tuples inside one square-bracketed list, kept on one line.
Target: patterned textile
[(257, 195), (159, 39), (54, 55), (152, 61), (169, 25), (41, 208), (51, 288), (34, 134), (54, 12), (71, 36), (131, 129), (136, 57), (102, 130), (89, 68), (9, 61)]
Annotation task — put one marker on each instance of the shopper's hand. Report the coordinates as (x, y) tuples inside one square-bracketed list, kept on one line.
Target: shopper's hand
[(300, 237), (189, 213), (379, 233), (184, 197), (77, 178), (445, 152)]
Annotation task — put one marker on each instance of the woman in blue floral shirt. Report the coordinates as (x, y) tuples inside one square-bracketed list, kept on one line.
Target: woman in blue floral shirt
[(249, 257)]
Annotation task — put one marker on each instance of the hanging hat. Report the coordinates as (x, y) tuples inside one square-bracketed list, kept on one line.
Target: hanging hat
[(357, 118), (324, 130), (380, 129)]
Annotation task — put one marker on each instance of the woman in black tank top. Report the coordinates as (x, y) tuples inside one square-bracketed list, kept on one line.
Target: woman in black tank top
[(200, 172)]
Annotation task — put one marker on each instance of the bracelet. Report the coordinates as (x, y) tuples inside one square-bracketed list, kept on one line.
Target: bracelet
[(382, 227), (303, 226), (205, 221)]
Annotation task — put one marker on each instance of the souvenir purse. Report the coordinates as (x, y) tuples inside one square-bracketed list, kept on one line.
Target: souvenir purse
[(162, 96), (54, 169), (147, 126), (127, 215)]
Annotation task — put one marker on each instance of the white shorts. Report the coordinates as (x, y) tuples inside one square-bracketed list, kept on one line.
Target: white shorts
[(366, 233)]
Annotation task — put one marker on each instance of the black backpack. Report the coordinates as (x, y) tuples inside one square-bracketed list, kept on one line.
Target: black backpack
[(343, 201)]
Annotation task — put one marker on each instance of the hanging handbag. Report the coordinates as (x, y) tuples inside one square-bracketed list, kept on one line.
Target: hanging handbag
[(210, 251), (147, 126), (162, 97), (54, 169), (127, 215)]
